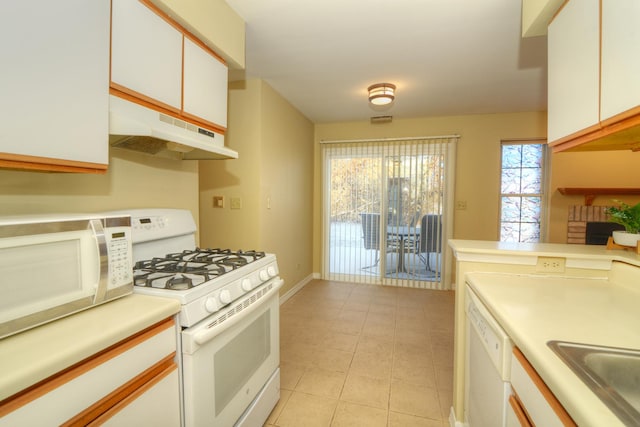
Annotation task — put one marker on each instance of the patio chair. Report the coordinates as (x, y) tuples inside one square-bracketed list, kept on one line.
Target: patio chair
[(371, 233), (430, 238)]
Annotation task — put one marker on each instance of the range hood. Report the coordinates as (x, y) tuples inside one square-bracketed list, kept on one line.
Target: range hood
[(138, 128)]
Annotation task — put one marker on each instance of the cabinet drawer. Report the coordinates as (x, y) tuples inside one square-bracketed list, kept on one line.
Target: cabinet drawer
[(141, 408), (63, 396), (539, 403)]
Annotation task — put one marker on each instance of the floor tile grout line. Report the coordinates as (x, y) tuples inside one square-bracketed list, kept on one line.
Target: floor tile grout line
[(394, 340)]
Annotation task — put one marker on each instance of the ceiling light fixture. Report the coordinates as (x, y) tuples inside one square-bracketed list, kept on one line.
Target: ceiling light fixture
[(381, 93)]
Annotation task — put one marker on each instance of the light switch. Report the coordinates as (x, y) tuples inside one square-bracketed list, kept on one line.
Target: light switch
[(218, 201), (236, 203)]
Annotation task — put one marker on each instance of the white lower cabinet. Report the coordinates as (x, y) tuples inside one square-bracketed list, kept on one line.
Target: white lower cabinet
[(516, 415), (142, 407), (135, 378), (532, 402)]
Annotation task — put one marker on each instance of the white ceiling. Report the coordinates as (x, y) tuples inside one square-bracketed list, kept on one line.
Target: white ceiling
[(447, 57)]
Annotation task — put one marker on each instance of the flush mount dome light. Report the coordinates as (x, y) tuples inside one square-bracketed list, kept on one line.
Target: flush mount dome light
[(381, 93)]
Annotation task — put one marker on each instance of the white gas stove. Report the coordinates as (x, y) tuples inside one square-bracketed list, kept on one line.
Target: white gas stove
[(229, 343), (168, 264)]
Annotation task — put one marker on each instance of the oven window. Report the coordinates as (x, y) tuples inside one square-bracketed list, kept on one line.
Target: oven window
[(238, 360)]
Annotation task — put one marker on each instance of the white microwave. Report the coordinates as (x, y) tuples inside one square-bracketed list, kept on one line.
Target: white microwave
[(54, 266)]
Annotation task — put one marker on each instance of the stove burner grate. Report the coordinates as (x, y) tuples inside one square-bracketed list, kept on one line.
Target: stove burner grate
[(190, 268)]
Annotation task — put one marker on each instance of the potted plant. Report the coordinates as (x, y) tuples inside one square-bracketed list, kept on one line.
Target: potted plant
[(629, 217)]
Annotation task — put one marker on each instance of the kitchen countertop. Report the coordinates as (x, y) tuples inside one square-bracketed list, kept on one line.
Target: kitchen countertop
[(36, 354), (536, 309), (578, 256)]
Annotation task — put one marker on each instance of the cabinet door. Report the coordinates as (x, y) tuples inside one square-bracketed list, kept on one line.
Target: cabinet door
[(620, 56), (205, 85), (55, 79), (146, 54), (574, 62)]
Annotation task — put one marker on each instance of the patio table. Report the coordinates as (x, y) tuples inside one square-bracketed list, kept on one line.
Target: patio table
[(403, 233)]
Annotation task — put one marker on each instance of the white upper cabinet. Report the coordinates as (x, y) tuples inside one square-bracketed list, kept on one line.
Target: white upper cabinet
[(157, 62), (594, 89), (574, 62), (620, 56), (55, 85), (205, 85), (146, 54)]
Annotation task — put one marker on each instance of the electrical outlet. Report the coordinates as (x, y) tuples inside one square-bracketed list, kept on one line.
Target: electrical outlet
[(236, 203), (550, 264)]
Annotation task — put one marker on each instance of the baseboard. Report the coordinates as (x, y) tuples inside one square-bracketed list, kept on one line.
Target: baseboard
[(291, 292), (452, 420), (317, 276)]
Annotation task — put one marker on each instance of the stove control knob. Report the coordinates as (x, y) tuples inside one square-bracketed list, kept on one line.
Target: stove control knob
[(272, 271), (264, 276), (246, 285), (225, 297), (211, 305)]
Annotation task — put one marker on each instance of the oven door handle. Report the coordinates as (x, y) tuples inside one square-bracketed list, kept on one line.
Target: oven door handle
[(206, 335)]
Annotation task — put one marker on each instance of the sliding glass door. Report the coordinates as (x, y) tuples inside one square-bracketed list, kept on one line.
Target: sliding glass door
[(386, 211)]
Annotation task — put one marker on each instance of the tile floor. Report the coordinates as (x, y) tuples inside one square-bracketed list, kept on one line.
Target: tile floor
[(364, 355)]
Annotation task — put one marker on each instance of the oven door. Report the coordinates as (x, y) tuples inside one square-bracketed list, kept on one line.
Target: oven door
[(229, 357)]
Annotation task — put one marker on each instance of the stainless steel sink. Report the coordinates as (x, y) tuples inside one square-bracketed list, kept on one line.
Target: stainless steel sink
[(613, 374)]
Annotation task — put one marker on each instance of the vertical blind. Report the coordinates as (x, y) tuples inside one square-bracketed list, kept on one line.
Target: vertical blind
[(386, 210)]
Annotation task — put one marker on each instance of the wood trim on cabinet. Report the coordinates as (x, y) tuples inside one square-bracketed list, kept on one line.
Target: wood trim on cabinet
[(198, 121), (132, 396), (48, 164), (45, 386), (621, 132), (123, 395), (553, 402), (557, 12), (520, 411), (124, 93), (581, 136), (627, 118)]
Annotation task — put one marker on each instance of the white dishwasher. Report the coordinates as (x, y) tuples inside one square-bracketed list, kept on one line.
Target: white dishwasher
[(488, 364)]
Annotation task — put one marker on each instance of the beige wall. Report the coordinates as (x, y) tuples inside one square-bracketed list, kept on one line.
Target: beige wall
[(615, 169), (272, 177), (214, 23), (477, 162), (133, 180)]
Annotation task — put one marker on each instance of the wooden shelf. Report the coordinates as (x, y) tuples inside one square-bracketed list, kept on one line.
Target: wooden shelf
[(591, 193)]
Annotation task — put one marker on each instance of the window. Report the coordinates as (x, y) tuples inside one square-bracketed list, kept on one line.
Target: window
[(376, 196), (523, 170)]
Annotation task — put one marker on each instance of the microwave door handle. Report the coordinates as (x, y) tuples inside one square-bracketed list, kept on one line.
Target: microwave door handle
[(103, 265)]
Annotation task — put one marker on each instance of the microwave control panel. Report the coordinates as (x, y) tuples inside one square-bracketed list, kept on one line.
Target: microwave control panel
[(120, 256)]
